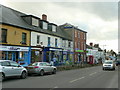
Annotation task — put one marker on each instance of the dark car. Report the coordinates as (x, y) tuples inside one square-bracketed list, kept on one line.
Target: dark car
[(117, 63)]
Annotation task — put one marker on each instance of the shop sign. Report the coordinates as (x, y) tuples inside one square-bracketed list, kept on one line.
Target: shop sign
[(40, 49), (79, 51), (13, 48), (52, 49)]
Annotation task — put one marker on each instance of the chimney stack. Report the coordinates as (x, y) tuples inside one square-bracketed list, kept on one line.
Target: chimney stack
[(44, 17), (91, 44)]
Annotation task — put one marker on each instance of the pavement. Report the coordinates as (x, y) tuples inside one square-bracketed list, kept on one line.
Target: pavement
[(91, 77)]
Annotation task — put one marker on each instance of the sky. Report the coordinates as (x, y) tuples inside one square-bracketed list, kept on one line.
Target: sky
[(99, 18)]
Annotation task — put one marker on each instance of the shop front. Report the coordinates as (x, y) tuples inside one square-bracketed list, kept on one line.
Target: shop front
[(36, 54), (16, 53), (53, 54)]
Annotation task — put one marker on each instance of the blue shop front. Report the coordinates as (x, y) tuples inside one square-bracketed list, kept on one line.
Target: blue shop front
[(49, 53), (16, 53)]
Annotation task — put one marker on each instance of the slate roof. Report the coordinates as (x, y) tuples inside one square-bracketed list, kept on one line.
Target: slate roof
[(14, 18), (67, 25)]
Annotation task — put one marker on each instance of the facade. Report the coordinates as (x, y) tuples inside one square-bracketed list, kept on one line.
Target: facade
[(94, 54), (14, 44), (27, 39), (79, 42)]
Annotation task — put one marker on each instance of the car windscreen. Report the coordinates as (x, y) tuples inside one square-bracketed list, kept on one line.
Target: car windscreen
[(34, 64), (108, 62)]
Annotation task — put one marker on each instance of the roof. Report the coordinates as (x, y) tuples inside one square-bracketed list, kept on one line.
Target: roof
[(67, 25), (15, 18)]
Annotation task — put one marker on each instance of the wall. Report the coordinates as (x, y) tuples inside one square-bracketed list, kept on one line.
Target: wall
[(44, 39), (14, 35)]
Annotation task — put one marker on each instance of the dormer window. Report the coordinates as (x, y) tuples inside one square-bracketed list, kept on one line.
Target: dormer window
[(35, 22), (45, 25), (54, 28)]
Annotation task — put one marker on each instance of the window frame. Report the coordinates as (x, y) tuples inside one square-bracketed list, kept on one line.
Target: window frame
[(24, 39), (3, 36)]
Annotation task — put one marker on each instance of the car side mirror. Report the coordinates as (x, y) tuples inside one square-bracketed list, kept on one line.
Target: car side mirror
[(19, 66)]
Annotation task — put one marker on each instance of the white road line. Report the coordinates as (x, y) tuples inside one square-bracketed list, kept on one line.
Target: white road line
[(76, 79), (92, 73), (56, 87)]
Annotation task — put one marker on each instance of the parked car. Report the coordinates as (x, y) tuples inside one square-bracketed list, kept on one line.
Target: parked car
[(11, 68), (41, 68), (109, 64), (117, 63)]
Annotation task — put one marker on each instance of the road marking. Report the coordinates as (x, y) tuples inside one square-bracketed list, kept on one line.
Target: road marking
[(92, 73), (76, 79), (54, 88)]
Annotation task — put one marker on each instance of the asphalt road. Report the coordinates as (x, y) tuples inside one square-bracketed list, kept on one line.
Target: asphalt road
[(92, 77)]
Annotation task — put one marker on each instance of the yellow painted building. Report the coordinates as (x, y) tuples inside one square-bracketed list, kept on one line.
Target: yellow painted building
[(14, 35), (15, 44)]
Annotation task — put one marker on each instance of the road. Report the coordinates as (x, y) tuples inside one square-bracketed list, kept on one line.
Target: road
[(92, 77)]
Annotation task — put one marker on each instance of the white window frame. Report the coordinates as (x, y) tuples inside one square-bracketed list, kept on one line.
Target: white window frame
[(45, 25), (54, 28), (35, 22)]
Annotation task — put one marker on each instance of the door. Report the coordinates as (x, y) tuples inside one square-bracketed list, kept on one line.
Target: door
[(16, 70), (47, 67), (6, 68)]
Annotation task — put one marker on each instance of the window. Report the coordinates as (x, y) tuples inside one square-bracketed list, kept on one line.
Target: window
[(75, 33), (54, 28), (55, 42), (5, 64), (3, 37), (24, 38), (38, 39), (35, 22), (14, 64), (84, 35), (45, 25), (48, 41), (69, 44), (78, 34)]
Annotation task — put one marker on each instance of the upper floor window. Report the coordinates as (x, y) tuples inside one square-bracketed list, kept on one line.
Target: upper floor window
[(54, 28), (45, 25), (35, 22), (55, 42), (78, 34), (3, 37), (75, 33), (84, 35), (24, 38), (69, 44), (38, 39), (48, 41)]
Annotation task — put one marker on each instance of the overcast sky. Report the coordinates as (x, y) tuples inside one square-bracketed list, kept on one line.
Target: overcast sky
[(99, 19)]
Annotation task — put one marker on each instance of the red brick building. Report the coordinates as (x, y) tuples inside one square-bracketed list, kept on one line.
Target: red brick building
[(79, 41)]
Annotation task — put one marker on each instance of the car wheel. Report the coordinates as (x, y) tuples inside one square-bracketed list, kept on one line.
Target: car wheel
[(23, 75), (54, 71), (103, 69), (3, 76), (41, 73)]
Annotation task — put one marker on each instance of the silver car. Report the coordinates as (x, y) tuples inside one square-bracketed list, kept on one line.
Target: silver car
[(41, 68), (11, 68), (109, 64)]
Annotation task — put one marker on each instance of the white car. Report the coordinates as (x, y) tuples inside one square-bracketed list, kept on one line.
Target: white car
[(11, 68), (109, 64)]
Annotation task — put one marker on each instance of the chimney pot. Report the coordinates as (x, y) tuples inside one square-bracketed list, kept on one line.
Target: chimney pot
[(44, 17), (91, 44)]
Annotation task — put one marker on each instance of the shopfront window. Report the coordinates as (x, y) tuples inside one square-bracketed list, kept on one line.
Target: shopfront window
[(36, 56)]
